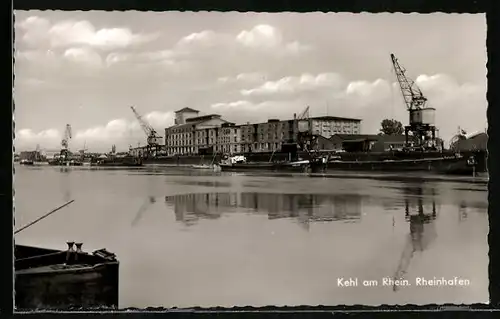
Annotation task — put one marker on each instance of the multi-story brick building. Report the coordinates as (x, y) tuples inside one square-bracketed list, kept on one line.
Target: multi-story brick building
[(192, 134), (270, 136), (229, 139), (267, 137), (327, 126)]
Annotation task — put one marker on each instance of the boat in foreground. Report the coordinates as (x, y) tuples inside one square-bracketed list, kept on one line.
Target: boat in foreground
[(57, 279)]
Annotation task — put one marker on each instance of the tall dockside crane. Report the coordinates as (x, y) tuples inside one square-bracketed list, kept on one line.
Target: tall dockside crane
[(304, 135), (65, 142), (153, 139), (421, 121)]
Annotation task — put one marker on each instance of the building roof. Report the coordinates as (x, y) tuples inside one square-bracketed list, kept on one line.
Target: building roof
[(335, 118), (183, 125), (187, 109), (202, 118)]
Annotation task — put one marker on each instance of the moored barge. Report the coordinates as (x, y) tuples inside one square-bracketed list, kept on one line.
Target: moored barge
[(444, 164), (125, 161)]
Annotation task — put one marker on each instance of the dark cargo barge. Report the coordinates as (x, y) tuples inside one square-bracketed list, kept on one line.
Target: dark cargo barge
[(56, 279), (456, 164), (126, 161), (65, 163)]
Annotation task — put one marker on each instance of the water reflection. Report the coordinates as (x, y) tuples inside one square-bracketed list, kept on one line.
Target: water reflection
[(65, 184), (149, 201), (420, 213), (462, 211), (305, 208)]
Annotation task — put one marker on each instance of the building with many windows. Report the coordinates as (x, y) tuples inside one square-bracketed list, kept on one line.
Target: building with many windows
[(327, 126), (229, 139), (192, 134), (269, 136)]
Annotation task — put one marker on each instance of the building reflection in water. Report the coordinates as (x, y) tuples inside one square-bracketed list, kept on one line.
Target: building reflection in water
[(304, 208), (420, 213), (462, 211)]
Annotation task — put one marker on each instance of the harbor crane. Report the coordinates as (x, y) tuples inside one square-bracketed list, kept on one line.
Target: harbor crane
[(153, 139), (305, 139), (65, 142), (421, 120)]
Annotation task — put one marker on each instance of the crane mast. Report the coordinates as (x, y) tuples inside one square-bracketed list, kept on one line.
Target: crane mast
[(421, 117), (153, 139), (412, 95), (306, 140)]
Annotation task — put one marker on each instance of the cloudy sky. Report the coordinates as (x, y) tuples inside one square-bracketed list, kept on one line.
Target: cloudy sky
[(88, 68)]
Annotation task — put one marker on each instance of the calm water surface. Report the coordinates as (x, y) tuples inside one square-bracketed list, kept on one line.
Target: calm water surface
[(188, 238)]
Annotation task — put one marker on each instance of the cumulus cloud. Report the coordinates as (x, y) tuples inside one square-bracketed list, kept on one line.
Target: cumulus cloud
[(121, 132), (267, 37), (84, 56), (37, 31), (165, 57), (205, 38), (297, 84), (262, 38), (243, 78), (237, 105), (29, 139), (45, 56)]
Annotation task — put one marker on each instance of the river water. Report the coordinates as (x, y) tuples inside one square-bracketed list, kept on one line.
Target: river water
[(192, 238)]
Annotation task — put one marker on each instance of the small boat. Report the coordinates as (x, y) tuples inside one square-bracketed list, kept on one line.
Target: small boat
[(62, 279), (26, 162), (210, 166)]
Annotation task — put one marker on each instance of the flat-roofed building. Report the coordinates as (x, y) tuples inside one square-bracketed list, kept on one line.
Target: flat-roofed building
[(327, 126), (266, 137), (192, 133), (229, 139)]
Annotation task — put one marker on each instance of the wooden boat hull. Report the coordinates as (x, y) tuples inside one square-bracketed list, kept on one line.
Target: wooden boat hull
[(44, 280)]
